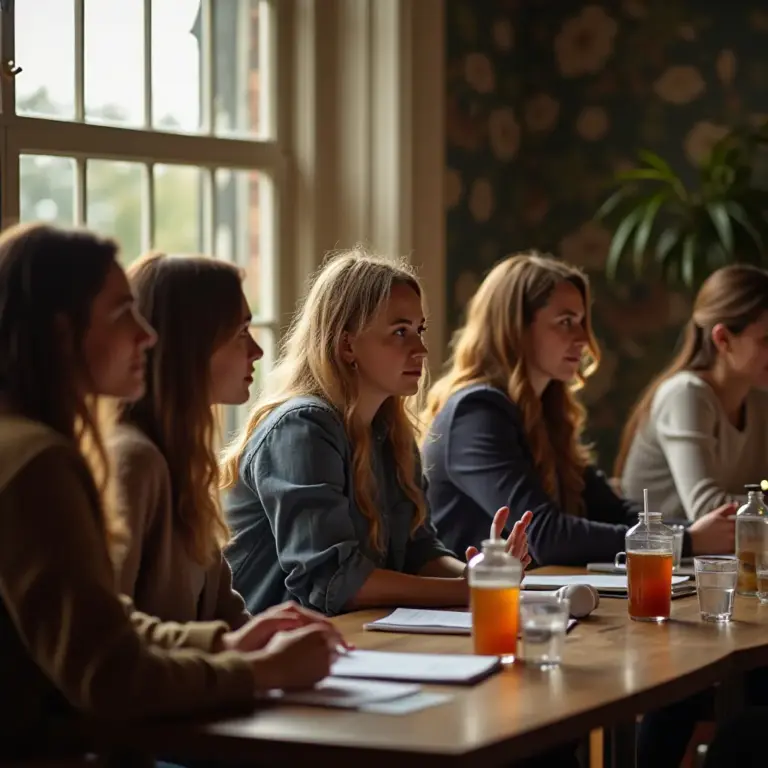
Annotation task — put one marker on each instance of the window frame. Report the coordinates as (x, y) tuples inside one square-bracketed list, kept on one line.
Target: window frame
[(82, 141)]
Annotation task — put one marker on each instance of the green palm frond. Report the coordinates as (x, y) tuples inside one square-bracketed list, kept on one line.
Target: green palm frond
[(661, 225)]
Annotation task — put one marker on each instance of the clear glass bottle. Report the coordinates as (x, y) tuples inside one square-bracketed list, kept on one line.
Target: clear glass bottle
[(494, 599), (751, 520), (649, 554)]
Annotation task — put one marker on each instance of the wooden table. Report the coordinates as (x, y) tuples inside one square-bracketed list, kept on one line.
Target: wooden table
[(613, 670)]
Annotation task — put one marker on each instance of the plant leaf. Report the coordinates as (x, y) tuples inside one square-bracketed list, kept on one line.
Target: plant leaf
[(666, 242), (688, 271), (656, 162), (737, 212), (610, 205), (722, 221), (644, 174), (620, 239), (645, 227)]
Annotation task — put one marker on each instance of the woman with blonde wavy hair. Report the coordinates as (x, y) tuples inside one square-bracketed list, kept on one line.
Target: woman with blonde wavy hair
[(503, 425), (325, 498)]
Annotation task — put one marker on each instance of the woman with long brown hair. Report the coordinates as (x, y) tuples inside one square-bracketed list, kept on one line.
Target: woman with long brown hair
[(699, 432), (504, 426), (325, 497), (164, 445), (70, 334)]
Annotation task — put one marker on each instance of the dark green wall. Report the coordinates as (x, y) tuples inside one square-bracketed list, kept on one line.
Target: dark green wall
[(545, 99)]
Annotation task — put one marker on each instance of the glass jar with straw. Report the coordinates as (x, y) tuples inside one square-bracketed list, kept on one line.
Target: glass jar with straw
[(649, 554)]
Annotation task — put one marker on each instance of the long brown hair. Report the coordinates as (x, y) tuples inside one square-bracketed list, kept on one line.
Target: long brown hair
[(490, 349), (49, 279), (345, 296), (734, 296), (194, 304)]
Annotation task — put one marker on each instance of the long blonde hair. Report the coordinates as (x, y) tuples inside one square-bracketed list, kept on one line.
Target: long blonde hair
[(345, 296), (176, 410), (735, 296), (490, 349)]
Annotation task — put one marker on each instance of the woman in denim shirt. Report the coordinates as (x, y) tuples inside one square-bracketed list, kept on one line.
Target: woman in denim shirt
[(325, 499)]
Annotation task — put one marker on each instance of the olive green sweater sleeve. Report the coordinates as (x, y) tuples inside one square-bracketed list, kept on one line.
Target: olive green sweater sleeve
[(203, 635), (57, 584)]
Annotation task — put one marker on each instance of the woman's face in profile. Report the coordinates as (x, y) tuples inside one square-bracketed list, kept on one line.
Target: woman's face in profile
[(116, 341), (558, 337)]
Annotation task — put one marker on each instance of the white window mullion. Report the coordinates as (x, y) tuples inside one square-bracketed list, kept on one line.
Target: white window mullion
[(59, 137), (9, 178), (209, 210), (81, 191), (208, 83), (148, 208), (268, 68), (79, 60), (148, 64), (269, 216)]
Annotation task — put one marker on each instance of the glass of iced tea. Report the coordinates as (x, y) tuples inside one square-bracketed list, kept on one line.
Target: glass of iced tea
[(649, 557), (494, 600)]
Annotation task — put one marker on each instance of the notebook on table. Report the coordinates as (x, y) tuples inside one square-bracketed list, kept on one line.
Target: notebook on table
[(607, 585), (422, 621), (684, 569), (456, 669)]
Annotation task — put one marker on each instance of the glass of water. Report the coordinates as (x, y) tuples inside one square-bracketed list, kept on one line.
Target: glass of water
[(761, 571), (543, 623), (677, 549), (716, 584)]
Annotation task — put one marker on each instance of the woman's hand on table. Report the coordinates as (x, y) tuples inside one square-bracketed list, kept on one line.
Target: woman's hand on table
[(715, 532), (260, 630)]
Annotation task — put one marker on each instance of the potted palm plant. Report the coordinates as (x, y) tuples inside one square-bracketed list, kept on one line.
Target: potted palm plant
[(662, 225)]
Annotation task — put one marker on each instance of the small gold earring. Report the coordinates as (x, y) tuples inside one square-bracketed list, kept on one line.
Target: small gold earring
[(354, 365)]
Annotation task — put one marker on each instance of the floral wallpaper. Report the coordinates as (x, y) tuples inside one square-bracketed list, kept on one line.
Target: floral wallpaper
[(545, 101)]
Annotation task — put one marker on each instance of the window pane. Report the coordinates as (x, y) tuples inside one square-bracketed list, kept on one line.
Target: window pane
[(47, 189), (176, 64), (179, 216), (241, 232), (114, 61), (239, 82), (45, 47), (115, 194), (236, 415)]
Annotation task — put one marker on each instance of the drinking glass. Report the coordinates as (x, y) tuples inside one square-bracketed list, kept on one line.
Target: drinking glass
[(544, 623), (716, 579)]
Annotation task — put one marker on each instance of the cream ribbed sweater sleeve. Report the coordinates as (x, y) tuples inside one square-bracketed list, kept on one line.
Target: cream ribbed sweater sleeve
[(686, 421)]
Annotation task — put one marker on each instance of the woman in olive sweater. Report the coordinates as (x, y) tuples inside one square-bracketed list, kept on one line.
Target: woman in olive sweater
[(69, 332)]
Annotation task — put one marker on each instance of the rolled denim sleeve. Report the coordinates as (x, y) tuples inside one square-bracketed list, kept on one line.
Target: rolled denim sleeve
[(299, 474), (424, 545)]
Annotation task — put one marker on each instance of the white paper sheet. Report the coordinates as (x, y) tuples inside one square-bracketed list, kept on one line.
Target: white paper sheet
[(408, 704), (424, 621), (346, 694), (418, 667)]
